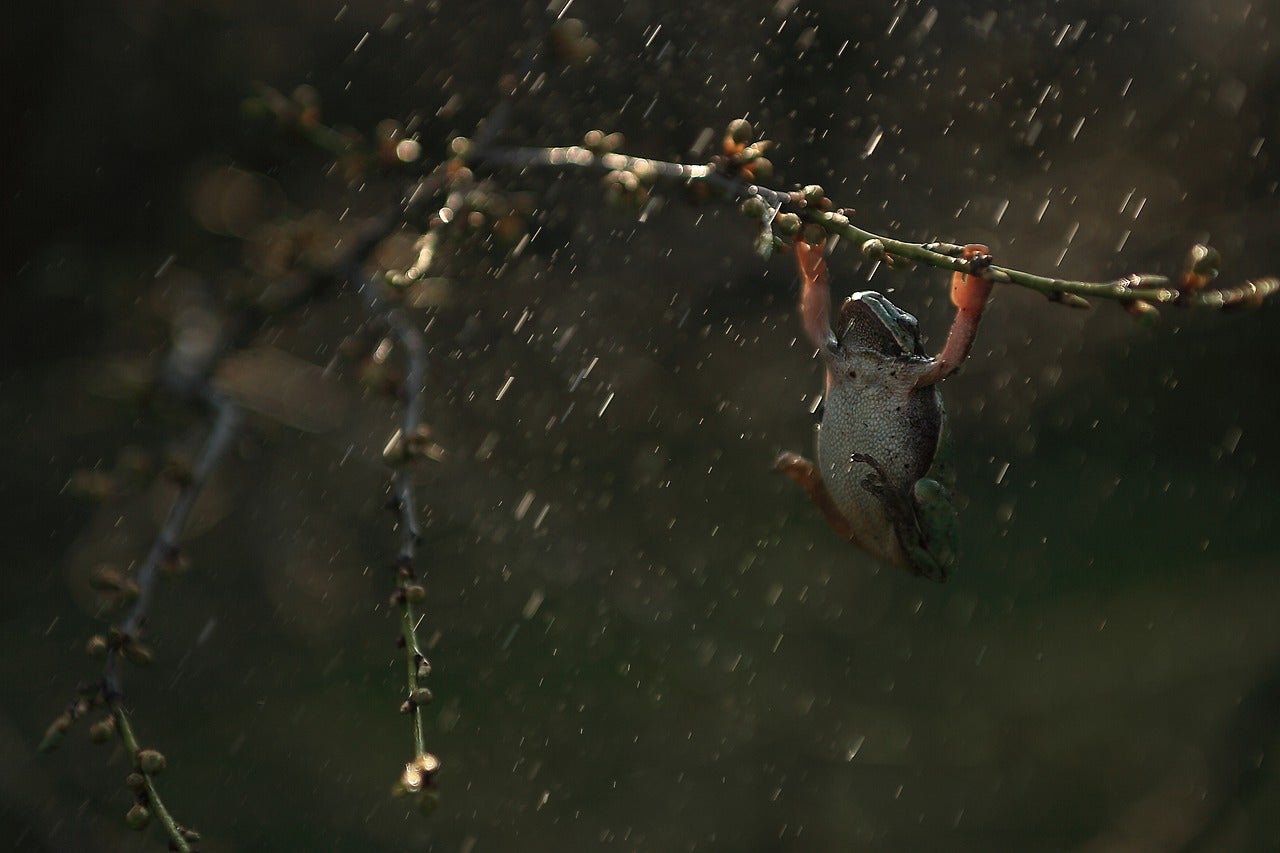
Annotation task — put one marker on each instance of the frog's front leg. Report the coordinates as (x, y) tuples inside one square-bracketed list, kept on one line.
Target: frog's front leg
[(815, 313), (969, 295), (807, 475), (815, 297)]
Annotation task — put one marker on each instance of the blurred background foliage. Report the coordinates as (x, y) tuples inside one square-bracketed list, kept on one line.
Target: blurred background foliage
[(643, 638)]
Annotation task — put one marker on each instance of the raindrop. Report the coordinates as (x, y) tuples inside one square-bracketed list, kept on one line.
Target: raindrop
[(502, 392), (1040, 211), (873, 142), (1000, 211)]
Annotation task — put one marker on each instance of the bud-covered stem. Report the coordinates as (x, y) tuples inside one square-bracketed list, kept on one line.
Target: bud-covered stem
[(415, 356), (413, 658), (1147, 288), (177, 839), (403, 501)]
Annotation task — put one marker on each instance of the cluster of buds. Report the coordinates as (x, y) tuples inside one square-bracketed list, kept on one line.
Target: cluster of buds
[(781, 228), (598, 142), (148, 764), (418, 780), (133, 470), (1200, 268), (478, 209), (742, 155), (401, 449), (629, 188), (89, 697), (96, 484), (409, 592), (1142, 311), (394, 146), (299, 109), (570, 43), (178, 469), (117, 642), (373, 363), (103, 730), (299, 113), (306, 101), (276, 249), (419, 697), (424, 252), (874, 251), (114, 588)]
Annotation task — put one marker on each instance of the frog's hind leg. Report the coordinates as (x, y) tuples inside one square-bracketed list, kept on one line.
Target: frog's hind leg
[(905, 512), (935, 555), (807, 475), (877, 482)]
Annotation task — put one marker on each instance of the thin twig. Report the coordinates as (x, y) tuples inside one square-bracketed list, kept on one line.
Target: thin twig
[(404, 448), (165, 548), (415, 355)]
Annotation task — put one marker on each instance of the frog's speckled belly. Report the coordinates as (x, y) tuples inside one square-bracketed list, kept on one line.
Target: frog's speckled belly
[(894, 429)]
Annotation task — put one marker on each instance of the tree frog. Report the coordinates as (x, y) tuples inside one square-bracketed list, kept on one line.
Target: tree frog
[(883, 479)]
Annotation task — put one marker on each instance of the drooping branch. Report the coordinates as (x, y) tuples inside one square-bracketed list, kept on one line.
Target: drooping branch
[(125, 640), (186, 373), (412, 441)]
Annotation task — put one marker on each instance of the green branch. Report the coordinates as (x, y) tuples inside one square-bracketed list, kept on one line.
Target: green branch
[(731, 177)]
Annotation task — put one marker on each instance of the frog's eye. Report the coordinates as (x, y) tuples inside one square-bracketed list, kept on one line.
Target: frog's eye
[(908, 322)]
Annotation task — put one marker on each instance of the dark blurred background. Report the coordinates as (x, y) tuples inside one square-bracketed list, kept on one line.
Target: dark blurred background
[(643, 638)]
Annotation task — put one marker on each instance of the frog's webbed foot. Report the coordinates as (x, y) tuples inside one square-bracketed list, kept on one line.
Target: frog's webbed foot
[(935, 546), (807, 475), (969, 292), (877, 481)]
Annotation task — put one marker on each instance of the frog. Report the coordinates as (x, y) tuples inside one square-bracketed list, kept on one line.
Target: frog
[(884, 479)]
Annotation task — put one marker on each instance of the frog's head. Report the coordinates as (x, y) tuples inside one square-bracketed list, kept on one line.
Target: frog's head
[(869, 321)]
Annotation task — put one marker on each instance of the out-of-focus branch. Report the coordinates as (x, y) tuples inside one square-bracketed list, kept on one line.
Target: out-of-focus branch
[(165, 547), (125, 640), (186, 373), (410, 442)]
